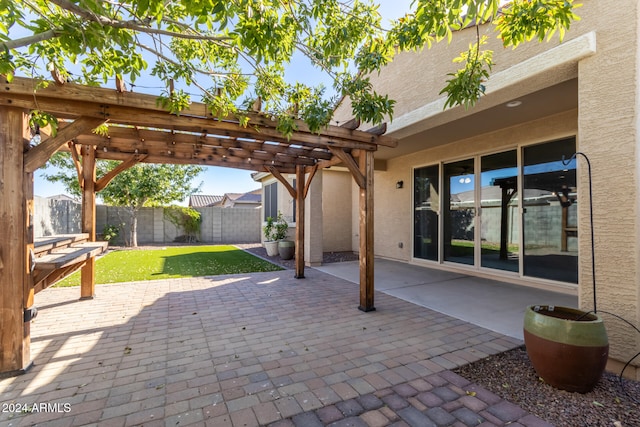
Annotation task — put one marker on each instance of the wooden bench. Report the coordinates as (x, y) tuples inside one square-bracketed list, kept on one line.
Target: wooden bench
[(55, 257), (47, 244), (70, 255)]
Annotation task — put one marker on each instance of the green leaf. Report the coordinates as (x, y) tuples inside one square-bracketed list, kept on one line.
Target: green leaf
[(243, 48)]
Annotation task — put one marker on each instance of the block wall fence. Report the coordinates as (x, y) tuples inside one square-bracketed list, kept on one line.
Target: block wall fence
[(219, 225)]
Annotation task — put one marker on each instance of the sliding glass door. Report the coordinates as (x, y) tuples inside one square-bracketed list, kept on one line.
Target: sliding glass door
[(426, 206), (500, 231), (514, 211), (550, 212), (459, 215)]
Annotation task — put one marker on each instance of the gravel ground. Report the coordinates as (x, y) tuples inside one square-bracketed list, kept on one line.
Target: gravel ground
[(327, 257), (511, 376)]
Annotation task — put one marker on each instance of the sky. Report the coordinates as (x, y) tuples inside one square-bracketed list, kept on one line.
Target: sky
[(218, 180)]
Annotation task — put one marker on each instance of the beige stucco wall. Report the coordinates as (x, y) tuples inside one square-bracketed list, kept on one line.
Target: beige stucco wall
[(336, 210), (314, 221), (608, 133), (414, 79), (606, 125), (285, 202)]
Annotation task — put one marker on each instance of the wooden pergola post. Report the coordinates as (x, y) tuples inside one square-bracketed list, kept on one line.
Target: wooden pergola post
[(300, 223), (141, 130), (366, 164), (88, 272), (16, 243), (299, 194)]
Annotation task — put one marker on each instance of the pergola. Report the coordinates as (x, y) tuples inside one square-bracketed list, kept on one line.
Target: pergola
[(142, 131)]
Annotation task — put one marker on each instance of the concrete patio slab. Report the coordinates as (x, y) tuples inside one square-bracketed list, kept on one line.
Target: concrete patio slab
[(260, 349), (494, 305)]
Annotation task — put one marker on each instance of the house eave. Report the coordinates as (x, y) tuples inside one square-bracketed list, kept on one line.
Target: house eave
[(540, 67)]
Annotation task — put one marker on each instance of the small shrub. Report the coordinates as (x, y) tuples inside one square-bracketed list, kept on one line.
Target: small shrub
[(281, 227), (187, 219), (111, 232), (275, 229)]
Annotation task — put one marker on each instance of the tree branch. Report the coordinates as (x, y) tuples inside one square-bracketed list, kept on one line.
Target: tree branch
[(129, 25), (29, 40), (177, 64)]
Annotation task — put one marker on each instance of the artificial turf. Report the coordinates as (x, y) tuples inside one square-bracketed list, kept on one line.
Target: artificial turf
[(172, 262)]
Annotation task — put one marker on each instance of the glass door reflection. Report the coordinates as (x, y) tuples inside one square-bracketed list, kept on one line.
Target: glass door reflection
[(550, 212), (459, 212), (425, 210), (500, 231)]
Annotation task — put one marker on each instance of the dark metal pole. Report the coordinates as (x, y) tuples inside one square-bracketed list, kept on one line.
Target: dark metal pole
[(593, 247)]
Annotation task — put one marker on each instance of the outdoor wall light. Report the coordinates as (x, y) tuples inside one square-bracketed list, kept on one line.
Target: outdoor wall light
[(399, 184)]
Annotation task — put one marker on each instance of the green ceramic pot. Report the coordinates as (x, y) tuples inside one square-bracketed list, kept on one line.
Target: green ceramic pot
[(286, 248), (567, 347)]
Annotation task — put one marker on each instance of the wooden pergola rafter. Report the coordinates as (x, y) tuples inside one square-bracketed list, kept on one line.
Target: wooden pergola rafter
[(140, 130)]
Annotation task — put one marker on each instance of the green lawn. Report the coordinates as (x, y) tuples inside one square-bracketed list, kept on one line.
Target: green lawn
[(172, 262)]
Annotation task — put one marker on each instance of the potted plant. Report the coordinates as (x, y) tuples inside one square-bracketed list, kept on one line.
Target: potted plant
[(271, 241), (286, 248)]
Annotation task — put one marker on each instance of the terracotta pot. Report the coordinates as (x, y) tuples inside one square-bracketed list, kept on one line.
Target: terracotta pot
[(286, 249), (567, 347), (272, 247)]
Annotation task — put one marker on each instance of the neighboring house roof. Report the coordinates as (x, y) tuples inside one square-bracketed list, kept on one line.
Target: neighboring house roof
[(203, 200), (231, 196), (228, 199), (252, 198)]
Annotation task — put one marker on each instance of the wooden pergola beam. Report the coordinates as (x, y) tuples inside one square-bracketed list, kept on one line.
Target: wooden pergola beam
[(126, 115), (40, 154), (165, 140), (75, 156), (312, 173), (350, 164), (276, 173), (78, 96), (106, 179)]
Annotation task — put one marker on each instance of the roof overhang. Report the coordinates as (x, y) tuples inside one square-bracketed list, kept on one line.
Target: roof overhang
[(546, 84)]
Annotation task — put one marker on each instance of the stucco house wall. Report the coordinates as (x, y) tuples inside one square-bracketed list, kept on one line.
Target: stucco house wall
[(284, 201), (599, 61), (608, 128), (336, 210)]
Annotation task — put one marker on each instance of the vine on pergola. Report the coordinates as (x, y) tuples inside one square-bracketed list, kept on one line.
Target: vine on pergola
[(236, 51)]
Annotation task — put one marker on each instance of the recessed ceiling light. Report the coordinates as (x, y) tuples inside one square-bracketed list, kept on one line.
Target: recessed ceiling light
[(513, 104)]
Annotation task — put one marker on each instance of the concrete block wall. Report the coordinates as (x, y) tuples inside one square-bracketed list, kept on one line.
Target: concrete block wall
[(240, 225), (56, 217), (211, 227), (219, 225)]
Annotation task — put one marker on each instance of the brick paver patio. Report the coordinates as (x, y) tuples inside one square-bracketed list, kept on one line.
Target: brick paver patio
[(250, 350)]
